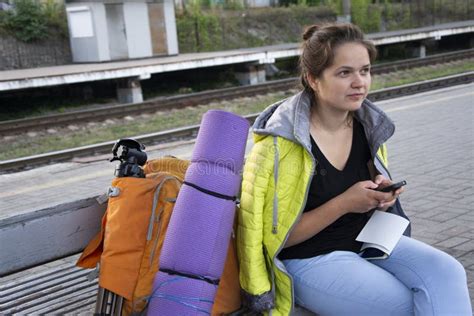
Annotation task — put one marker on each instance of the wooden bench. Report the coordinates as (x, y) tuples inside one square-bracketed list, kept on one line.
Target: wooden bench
[(37, 261), (58, 288)]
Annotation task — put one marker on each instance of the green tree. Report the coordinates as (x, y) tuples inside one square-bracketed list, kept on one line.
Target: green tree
[(32, 20), (27, 20), (55, 15), (366, 15)]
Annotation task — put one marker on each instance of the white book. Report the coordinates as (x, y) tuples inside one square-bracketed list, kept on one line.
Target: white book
[(382, 231)]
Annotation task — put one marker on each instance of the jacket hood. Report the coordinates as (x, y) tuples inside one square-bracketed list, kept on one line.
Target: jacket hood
[(289, 119)]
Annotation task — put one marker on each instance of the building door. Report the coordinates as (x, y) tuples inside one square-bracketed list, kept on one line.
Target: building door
[(117, 33), (158, 28)]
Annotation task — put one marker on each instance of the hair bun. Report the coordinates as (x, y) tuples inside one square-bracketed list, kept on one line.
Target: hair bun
[(309, 31)]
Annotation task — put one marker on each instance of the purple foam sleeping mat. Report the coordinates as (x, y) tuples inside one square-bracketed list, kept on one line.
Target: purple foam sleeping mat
[(195, 247)]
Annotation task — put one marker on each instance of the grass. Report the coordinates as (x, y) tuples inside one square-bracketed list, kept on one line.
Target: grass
[(73, 136), (421, 73)]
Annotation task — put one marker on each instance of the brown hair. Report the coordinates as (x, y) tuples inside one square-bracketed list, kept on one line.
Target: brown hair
[(319, 44)]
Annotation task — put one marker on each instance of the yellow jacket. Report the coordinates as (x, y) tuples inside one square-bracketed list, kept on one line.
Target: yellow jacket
[(276, 180)]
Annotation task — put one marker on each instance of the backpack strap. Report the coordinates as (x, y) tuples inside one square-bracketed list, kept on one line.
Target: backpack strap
[(191, 276), (209, 192)]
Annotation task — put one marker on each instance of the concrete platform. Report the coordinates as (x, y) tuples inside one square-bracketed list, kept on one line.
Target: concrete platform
[(433, 149), (143, 68)]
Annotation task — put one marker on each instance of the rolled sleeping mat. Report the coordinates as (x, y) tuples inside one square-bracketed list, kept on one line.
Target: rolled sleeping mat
[(198, 234), (180, 295), (199, 230), (221, 140)]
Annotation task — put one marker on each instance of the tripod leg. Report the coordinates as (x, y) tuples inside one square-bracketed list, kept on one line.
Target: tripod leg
[(119, 306), (116, 305), (100, 300), (108, 303)]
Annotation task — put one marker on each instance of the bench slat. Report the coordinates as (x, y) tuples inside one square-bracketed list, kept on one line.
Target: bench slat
[(58, 287), (25, 292), (67, 303), (47, 297), (24, 289), (86, 307), (6, 289)]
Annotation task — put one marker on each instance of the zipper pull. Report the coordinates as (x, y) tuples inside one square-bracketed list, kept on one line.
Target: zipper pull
[(275, 229)]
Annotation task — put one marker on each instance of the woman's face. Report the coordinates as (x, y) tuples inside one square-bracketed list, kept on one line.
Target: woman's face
[(345, 84)]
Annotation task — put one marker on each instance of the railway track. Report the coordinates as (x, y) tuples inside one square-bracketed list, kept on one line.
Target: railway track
[(191, 131), (37, 123)]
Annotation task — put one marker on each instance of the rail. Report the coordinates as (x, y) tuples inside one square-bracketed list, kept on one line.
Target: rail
[(190, 131), (179, 101)]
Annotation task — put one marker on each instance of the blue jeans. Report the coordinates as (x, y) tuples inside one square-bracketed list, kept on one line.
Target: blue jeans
[(416, 279)]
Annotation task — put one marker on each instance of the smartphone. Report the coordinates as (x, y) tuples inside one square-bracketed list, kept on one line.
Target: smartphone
[(373, 253), (393, 187)]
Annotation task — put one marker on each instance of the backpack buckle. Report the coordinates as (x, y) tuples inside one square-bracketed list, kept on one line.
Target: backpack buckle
[(113, 191)]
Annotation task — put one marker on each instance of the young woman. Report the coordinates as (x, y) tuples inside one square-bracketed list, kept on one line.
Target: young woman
[(307, 192)]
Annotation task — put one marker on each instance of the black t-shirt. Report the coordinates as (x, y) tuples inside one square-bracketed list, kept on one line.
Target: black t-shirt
[(327, 183)]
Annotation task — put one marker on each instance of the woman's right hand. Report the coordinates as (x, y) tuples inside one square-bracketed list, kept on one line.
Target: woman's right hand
[(362, 197), (359, 198)]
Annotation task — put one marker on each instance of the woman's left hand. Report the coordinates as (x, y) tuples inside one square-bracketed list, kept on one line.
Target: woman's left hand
[(382, 183)]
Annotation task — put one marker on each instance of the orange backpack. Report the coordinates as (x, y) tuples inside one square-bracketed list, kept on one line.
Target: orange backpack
[(133, 230)]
